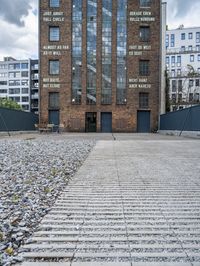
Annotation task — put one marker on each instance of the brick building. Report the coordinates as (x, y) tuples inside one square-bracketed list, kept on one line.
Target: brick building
[(100, 64)]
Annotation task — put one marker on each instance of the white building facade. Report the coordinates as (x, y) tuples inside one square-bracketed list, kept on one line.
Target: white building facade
[(16, 82), (183, 66)]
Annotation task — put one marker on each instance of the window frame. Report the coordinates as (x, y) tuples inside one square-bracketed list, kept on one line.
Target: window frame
[(147, 34), (143, 100), (51, 5), (54, 60), (145, 3), (145, 69), (54, 27), (50, 100)]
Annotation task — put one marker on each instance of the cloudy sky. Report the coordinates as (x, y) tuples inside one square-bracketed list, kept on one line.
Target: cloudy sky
[(19, 24)]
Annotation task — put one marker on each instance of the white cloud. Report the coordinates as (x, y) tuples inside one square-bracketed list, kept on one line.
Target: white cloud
[(183, 12), (21, 41)]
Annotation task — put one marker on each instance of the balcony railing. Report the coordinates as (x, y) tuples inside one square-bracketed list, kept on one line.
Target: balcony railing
[(183, 74), (34, 96), (185, 50)]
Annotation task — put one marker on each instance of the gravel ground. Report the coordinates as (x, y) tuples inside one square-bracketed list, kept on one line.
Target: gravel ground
[(32, 175)]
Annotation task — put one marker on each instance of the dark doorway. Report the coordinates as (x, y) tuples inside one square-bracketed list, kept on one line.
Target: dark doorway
[(106, 122), (143, 122), (54, 118), (91, 122)]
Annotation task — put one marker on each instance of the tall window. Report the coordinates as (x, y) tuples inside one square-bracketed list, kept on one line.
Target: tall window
[(172, 40), (54, 3), (106, 51), (91, 50), (143, 100), (121, 51), (173, 60), (54, 100), (174, 85), (197, 37), (54, 67), (144, 67), (76, 51), (167, 40), (191, 58), (182, 36), (179, 60), (180, 85), (145, 33), (190, 35), (54, 34)]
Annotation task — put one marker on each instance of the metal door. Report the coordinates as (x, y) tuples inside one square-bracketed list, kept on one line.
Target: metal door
[(143, 122), (106, 122), (54, 118)]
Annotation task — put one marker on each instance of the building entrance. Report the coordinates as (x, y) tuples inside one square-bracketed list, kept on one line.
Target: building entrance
[(91, 122), (143, 121), (54, 118), (106, 122)]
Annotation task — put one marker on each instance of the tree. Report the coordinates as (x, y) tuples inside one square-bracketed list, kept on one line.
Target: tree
[(8, 103)]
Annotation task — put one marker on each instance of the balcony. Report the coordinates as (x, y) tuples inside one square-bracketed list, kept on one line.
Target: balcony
[(35, 77), (35, 67), (187, 50), (34, 106), (35, 96), (183, 74)]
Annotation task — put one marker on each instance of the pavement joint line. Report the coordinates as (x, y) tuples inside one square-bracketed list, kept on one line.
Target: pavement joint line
[(122, 202), (75, 250), (175, 234)]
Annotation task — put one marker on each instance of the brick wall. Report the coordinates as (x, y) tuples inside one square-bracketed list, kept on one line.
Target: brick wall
[(124, 117)]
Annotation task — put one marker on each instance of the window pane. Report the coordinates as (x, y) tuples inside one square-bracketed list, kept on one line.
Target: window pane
[(76, 52), (144, 100), (54, 3), (144, 67), (106, 93), (91, 50), (54, 67), (54, 100), (145, 3), (144, 34), (54, 34), (24, 74), (24, 65), (121, 51)]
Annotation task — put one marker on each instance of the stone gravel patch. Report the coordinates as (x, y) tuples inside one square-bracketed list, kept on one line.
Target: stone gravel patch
[(32, 175)]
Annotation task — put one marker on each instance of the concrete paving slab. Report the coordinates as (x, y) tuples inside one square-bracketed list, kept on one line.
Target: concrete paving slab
[(138, 197), (101, 264), (46, 264)]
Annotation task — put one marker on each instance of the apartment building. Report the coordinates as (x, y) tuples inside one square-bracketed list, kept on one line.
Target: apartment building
[(34, 86), (183, 66), (100, 64), (18, 82)]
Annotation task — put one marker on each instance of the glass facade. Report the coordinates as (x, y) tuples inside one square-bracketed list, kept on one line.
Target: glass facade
[(76, 51), (106, 52), (91, 50), (121, 51)]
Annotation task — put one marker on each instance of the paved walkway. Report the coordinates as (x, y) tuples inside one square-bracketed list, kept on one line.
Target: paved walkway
[(133, 202)]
